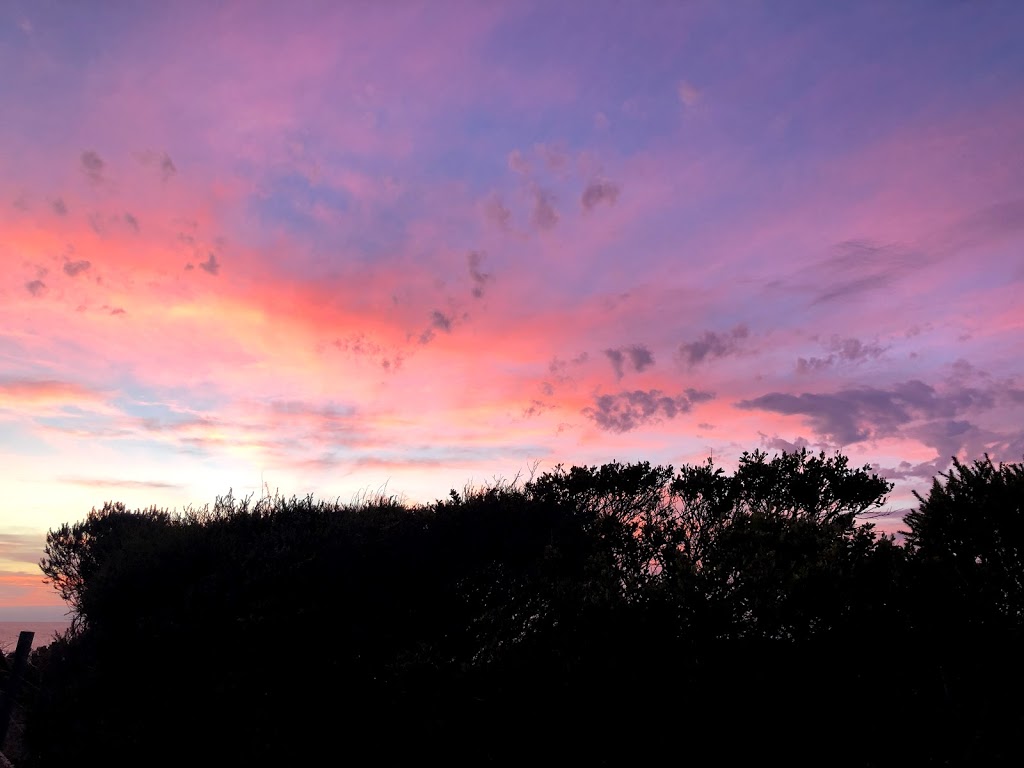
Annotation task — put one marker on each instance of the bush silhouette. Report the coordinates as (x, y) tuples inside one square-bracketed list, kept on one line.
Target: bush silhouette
[(595, 614)]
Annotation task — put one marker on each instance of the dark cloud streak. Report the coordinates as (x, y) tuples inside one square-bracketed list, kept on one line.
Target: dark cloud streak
[(857, 414)]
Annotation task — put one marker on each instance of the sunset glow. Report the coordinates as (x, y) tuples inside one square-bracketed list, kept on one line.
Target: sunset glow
[(350, 248)]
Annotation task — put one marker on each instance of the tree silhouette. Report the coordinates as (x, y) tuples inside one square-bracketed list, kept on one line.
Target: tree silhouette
[(969, 534), (965, 542), (573, 617)]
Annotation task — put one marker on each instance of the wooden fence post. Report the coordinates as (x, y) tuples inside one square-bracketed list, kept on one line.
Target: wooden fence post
[(14, 683)]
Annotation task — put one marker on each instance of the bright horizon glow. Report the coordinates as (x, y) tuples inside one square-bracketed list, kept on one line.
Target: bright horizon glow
[(349, 248)]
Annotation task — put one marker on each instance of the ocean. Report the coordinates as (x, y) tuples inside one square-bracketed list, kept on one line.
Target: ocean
[(45, 630)]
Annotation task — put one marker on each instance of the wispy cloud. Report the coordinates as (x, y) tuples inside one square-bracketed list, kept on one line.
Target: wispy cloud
[(20, 391), (545, 216), (859, 266), (98, 482)]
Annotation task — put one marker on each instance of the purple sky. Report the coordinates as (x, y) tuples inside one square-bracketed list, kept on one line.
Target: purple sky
[(351, 247)]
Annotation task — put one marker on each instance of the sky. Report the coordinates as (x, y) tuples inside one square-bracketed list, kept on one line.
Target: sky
[(361, 248)]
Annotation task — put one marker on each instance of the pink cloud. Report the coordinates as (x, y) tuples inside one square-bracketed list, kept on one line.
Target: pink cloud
[(17, 392), (19, 590)]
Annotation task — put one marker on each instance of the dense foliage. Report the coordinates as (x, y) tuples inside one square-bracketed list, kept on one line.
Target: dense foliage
[(614, 614)]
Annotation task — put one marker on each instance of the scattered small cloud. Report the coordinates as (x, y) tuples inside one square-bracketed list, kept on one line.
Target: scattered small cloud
[(75, 268), (518, 163), (167, 168), (557, 364), (441, 321), (713, 345), (496, 212), (36, 287), (627, 410), (616, 358), (545, 216), (639, 357), (814, 364), (480, 278), (559, 369), (59, 207), (842, 350), (159, 160), (905, 470), (536, 408), (854, 350), (362, 346), (776, 443), (555, 158), (599, 191), (689, 95), (211, 266), (92, 166), (132, 222), (390, 364), (358, 344)]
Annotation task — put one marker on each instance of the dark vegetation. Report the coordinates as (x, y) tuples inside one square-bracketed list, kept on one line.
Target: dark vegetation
[(625, 614)]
